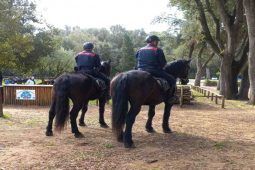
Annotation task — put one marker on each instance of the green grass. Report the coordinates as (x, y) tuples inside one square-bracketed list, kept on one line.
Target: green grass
[(108, 145), (31, 122), (220, 145), (6, 116)]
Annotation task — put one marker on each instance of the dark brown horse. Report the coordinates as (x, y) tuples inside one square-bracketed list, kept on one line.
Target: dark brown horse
[(80, 88), (137, 88)]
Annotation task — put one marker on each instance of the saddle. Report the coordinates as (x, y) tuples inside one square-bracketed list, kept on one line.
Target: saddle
[(162, 83), (101, 84)]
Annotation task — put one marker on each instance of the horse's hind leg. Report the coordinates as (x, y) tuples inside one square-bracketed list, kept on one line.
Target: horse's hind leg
[(83, 112), (130, 119), (73, 116), (151, 114), (101, 113), (166, 116), (51, 117)]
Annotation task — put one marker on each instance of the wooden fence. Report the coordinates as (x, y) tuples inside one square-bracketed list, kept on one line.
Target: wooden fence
[(210, 95), (42, 95)]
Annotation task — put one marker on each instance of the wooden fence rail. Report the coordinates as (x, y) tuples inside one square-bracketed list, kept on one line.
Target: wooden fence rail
[(210, 95)]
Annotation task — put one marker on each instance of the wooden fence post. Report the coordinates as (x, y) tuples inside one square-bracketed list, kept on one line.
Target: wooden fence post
[(181, 99), (1, 101), (223, 102), (208, 94)]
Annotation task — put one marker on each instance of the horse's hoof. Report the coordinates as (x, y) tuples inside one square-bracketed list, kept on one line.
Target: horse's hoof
[(104, 125), (150, 130), (82, 124), (129, 145), (120, 139), (167, 130), (49, 133), (79, 135)]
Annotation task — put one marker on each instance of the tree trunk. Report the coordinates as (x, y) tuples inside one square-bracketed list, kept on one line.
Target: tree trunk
[(1, 95), (245, 85), (200, 69), (199, 75), (226, 78), (249, 6), (218, 84), (234, 82), (208, 73)]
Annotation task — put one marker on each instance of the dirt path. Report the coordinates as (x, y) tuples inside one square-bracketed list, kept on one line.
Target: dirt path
[(205, 137)]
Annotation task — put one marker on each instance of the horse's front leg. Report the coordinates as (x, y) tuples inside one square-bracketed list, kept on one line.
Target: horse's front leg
[(83, 112), (151, 114), (102, 102), (167, 112)]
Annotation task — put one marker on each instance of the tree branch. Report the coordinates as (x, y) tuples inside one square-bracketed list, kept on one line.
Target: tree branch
[(192, 47), (206, 30), (216, 22), (239, 12), (208, 60), (224, 14), (244, 56), (201, 49)]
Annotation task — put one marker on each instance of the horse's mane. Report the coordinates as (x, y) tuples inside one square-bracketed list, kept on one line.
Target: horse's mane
[(174, 67)]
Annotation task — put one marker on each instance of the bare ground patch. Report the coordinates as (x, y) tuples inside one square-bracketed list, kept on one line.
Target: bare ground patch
[(205, 137)]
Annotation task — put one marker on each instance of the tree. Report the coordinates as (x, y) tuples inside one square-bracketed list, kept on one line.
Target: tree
[(201, 67), (16, 32), (57, 63), (223, 29), (127, 61), (249, 6)]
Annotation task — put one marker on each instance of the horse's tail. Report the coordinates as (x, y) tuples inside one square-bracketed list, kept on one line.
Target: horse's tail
[(119, 103), (61, 88)]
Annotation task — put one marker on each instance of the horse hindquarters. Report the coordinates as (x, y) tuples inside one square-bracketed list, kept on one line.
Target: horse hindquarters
[(61, 104), (119, 105)]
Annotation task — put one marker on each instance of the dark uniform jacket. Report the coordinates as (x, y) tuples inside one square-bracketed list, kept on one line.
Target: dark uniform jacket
[(150, 58), (87, 60)]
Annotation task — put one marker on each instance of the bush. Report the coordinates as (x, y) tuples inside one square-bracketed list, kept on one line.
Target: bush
[(210, 82)]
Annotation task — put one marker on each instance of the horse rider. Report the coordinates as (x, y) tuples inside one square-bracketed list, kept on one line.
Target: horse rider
[(89, 62), (152, 59)]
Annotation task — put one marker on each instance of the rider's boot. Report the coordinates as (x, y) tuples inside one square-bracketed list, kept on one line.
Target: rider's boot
[(171, 96)]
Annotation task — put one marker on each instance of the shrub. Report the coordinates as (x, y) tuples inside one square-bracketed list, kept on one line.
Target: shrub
[(210, 82)]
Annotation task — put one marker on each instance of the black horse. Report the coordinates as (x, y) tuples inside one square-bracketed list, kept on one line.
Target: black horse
[(139, 88), (80, 88)]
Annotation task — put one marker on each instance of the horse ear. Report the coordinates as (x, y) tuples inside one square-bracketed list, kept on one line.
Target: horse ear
[(109, 61), (188, 61)]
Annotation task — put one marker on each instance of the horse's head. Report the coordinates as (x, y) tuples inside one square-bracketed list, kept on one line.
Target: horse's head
[(106, 67), (179, 69)]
